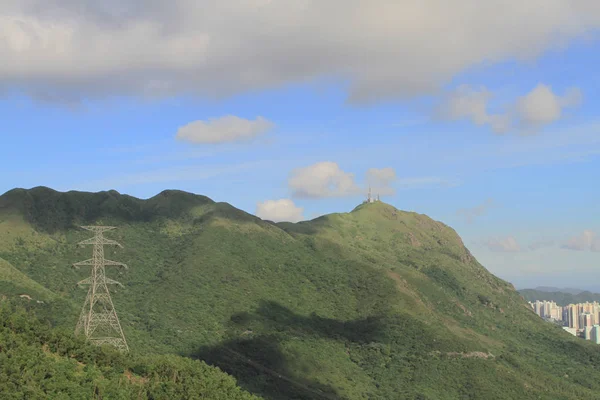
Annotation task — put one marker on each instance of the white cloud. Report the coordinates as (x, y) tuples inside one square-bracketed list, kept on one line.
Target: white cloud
[(225, 129), (279, 210), (587, 240), (380, 180), (472, 103), (541, 106), (470, 214), (506, 245), (65, 50), (528, 113), (327, 179), (323, 179)]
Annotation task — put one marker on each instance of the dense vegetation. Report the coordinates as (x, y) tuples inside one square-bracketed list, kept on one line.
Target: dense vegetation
[(561, 298), (373, 304), (38, 362)]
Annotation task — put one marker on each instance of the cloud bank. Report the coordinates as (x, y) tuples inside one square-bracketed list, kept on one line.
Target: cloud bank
[(588, 240), (61, 50)]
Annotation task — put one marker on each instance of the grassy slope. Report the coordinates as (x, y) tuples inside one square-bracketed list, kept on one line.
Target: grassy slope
[(376, 303), (14, 282)]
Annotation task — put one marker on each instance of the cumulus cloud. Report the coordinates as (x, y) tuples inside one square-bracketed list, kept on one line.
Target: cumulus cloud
[(470, 214), (506, 245), (467, 102), (380, 180), (327, 179), (225, 129), (60, 49), (587, 240), (279, 211), (323, 179), (541, 106)]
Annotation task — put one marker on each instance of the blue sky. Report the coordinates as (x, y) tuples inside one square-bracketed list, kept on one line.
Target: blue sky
[(497, 137)]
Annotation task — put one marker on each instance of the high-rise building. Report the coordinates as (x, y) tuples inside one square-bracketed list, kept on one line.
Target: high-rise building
[(585, 320), (548, 309), (595, 336), (573, 316), (538, 308)]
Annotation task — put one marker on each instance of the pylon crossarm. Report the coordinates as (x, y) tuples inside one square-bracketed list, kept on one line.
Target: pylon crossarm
[(105, 263), (86, 281), (99, 241), (115, 264), (98, 228), (108, 281)]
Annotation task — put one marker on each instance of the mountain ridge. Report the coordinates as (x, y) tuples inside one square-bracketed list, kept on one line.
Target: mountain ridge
[(371, 303), (560, 298)]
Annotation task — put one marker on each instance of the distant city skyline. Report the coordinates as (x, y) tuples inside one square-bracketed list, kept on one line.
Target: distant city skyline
[(493, 133), (579, 319)]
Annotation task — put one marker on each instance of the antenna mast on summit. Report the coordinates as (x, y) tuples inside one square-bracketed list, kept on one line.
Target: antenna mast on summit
[(98, 319)]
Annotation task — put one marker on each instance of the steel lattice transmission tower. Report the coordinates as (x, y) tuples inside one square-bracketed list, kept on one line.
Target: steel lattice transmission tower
[(98, 319)]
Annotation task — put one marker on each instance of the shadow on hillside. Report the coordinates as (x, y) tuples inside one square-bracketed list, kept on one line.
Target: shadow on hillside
[(273, 315), (256, 359), (259, 366)]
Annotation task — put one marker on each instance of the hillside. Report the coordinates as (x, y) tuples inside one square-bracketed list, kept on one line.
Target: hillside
[(375, 303), (13, 282), (37, 362), (561, 298)]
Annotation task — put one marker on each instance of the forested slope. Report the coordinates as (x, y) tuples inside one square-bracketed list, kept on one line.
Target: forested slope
[(376, 303), (38, 362)]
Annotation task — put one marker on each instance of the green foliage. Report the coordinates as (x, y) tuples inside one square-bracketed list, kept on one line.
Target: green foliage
[(373, 304), (14, 282), (37, 362), (444, 278)]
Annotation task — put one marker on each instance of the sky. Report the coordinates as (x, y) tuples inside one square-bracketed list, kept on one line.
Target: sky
[(482, 115)]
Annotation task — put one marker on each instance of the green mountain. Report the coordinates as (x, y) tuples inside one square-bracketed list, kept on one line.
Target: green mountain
[(561, 298), (376, 303)]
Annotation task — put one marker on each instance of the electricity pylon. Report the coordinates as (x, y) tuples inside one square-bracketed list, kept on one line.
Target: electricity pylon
[(98, 319)]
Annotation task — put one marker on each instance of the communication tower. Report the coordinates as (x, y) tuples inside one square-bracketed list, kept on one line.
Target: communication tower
[(98, 319), (370, 198)]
